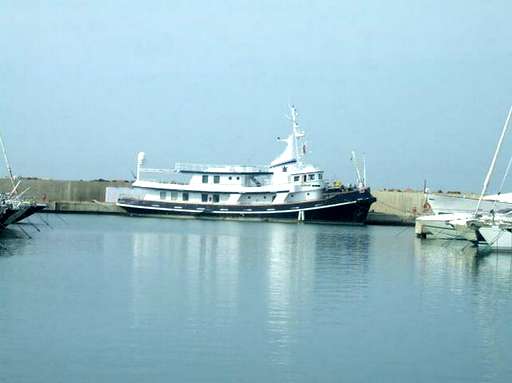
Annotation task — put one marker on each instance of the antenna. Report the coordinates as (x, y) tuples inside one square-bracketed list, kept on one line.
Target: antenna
[(360, 182), (7, 164), (365, 184)]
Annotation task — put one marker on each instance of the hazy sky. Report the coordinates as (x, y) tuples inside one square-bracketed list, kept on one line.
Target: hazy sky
[(421, 87)]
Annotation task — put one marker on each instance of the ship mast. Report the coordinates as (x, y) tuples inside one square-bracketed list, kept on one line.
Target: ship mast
[(297, 135), (8, 165)]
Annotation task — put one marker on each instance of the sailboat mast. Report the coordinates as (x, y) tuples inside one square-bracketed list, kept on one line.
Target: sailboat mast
[(493, 162), (7, 164)]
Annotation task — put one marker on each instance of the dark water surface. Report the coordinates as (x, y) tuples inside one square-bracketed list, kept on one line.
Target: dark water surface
[(117, 299)]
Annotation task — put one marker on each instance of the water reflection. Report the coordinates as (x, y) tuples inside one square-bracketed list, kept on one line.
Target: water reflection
[(201, 268), (479, 280), (462, 262), (290, 271)]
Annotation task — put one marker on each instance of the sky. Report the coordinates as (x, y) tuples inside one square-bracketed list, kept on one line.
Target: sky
[(421, 88)]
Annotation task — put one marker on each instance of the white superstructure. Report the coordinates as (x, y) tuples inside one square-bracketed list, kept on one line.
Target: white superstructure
[(287, 179)]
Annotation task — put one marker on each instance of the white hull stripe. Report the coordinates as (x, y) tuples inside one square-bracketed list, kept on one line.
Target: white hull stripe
[(244, 212)]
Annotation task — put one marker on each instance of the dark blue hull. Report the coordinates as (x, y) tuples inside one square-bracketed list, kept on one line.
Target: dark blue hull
[(339, 207)]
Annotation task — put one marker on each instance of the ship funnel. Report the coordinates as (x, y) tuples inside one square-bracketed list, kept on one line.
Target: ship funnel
[(141, 158)]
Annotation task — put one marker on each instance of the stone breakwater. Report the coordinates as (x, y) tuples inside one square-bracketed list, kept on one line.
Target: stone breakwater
[(393, 207)]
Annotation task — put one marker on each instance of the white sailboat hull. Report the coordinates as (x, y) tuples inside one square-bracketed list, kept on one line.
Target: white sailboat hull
[(497, 238), (441, 227)]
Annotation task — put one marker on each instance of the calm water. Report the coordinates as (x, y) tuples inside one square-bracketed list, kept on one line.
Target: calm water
[(113, 299)]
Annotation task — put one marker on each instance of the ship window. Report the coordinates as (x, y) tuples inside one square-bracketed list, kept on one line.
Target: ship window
[(174, 196), (248, 197), (204, 197), (264, 197), (216, 198), (311, 176), (304, 178), (237, 178), (285, 169), (163, 195), (320, 176), (205, 179), (216, 179), (296, 178), (184, 196), (230, 178)]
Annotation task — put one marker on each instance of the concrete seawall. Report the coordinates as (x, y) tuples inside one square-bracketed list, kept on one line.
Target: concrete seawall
[(396, 207), (43, 190), (393, 207)]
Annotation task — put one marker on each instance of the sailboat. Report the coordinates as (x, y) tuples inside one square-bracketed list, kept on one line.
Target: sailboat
[(465, 219), (14, 208)]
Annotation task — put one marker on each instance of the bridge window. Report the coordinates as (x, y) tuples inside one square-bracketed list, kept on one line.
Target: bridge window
[(204, 197), (216, 179), (311, 177), (296, 178), (319, 176), (216, 198), (184, 196), (305, 178), (163, 195), (174, 195), (205, 179)]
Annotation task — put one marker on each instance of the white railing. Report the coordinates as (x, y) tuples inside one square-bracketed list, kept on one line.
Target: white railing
[(160, 171), (180, 166)]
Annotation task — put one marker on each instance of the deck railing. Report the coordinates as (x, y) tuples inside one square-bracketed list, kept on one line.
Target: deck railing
[(181, 166)]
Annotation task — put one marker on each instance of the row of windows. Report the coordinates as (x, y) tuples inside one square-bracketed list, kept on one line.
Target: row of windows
[(306, 177), (210, 198), (174, 196), (215, 198), (185, 197), (216, 179)]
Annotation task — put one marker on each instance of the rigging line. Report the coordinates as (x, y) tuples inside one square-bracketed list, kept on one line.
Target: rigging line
[(44, 221), (402, 231), (503, 182), (24, 231), (62, 219), (33, 225)]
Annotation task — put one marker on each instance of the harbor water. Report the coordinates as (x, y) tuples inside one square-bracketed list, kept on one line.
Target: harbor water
[(120, 299)]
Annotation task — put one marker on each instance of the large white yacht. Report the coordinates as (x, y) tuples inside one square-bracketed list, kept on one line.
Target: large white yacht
[(286, 189)]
